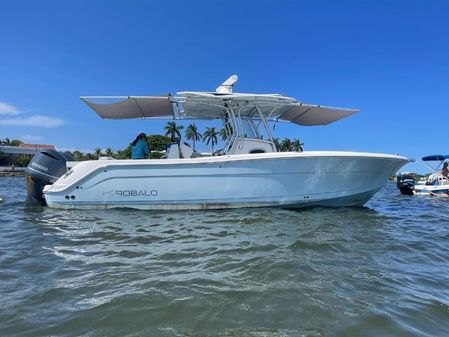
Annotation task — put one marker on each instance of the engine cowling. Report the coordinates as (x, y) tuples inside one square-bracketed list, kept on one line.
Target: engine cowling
[(44, 169), (406, 184)]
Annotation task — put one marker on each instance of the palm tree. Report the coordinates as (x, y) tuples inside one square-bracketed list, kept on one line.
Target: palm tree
[(78, 155), (296, 145), (286, 145), (210, 136), (277, 144), (97, 152), (109, 152), (90, 156), (6, 141), (173, 130), (223, 134), (125, 153), (193, 134), (226, 132)]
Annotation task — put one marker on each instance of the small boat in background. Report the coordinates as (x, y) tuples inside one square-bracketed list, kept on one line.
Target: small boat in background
[(435, 184)]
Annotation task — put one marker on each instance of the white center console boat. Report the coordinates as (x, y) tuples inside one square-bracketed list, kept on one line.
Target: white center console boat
[(247, 172)]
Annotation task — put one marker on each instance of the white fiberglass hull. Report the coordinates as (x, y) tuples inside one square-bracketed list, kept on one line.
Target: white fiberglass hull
[(290, 180), (422, 189)]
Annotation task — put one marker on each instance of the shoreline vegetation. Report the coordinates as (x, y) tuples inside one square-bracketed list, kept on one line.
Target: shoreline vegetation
[(12, 173), (157, 144)]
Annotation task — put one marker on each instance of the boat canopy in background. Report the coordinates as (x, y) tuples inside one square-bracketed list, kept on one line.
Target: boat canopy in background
[(131, 106), (435, 157)]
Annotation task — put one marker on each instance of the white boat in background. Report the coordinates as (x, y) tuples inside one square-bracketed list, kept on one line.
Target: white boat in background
[(247, 172), (435, 184)]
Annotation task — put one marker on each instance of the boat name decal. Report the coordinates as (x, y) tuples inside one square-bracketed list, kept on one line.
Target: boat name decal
[(136, 193)]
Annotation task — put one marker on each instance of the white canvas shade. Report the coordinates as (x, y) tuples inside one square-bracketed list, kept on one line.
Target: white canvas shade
[(209, 106), (132, 107), (308, 114)]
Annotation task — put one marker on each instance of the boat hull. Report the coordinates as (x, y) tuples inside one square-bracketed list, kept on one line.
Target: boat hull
[(288, 180), (431, 190)]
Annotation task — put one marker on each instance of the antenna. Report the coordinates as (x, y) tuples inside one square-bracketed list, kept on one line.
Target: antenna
[(226, 86)]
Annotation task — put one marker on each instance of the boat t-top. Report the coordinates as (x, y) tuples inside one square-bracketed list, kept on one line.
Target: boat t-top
[(247, 172), (434, 184)]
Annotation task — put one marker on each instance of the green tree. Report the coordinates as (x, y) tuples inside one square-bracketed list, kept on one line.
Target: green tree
[(156, 155), (277, 144), (173, 130), (79, 156), (223, 134), (125, 153), (286, 145), (90, 156), (11, 142), (16, 142), (296, 145), (23, 160), (97, 153), (210, 136), (110, 153), (193, 134), (69, 153), (158, 142)]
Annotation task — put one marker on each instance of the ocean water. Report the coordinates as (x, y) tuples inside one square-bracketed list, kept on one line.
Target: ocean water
[(381, 270)]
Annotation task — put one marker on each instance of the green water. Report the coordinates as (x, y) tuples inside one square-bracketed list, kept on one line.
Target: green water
[(382, 270)]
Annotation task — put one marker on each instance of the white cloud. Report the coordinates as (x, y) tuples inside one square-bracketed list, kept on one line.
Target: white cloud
[(8, 109), (39, 121), (31, 138)]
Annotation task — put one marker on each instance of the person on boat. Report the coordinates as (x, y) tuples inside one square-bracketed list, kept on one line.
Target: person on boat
[(445, 170), (140, 147)]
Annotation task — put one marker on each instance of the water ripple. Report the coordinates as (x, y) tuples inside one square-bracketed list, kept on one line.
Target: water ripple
[(380, 270)]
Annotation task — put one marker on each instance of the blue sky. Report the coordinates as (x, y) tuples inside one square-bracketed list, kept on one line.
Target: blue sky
[(388, 58)]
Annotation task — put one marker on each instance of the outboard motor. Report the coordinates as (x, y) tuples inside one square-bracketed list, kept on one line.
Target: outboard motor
[(405, 183), (44, 169)]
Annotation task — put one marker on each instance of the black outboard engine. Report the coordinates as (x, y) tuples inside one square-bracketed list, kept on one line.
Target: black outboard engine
[(405, 183), (44, 169)]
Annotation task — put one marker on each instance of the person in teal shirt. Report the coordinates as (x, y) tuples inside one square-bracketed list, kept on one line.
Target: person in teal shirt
[(140, 147)]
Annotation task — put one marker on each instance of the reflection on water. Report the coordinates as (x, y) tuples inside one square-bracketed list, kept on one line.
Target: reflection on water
[(378, 270)]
